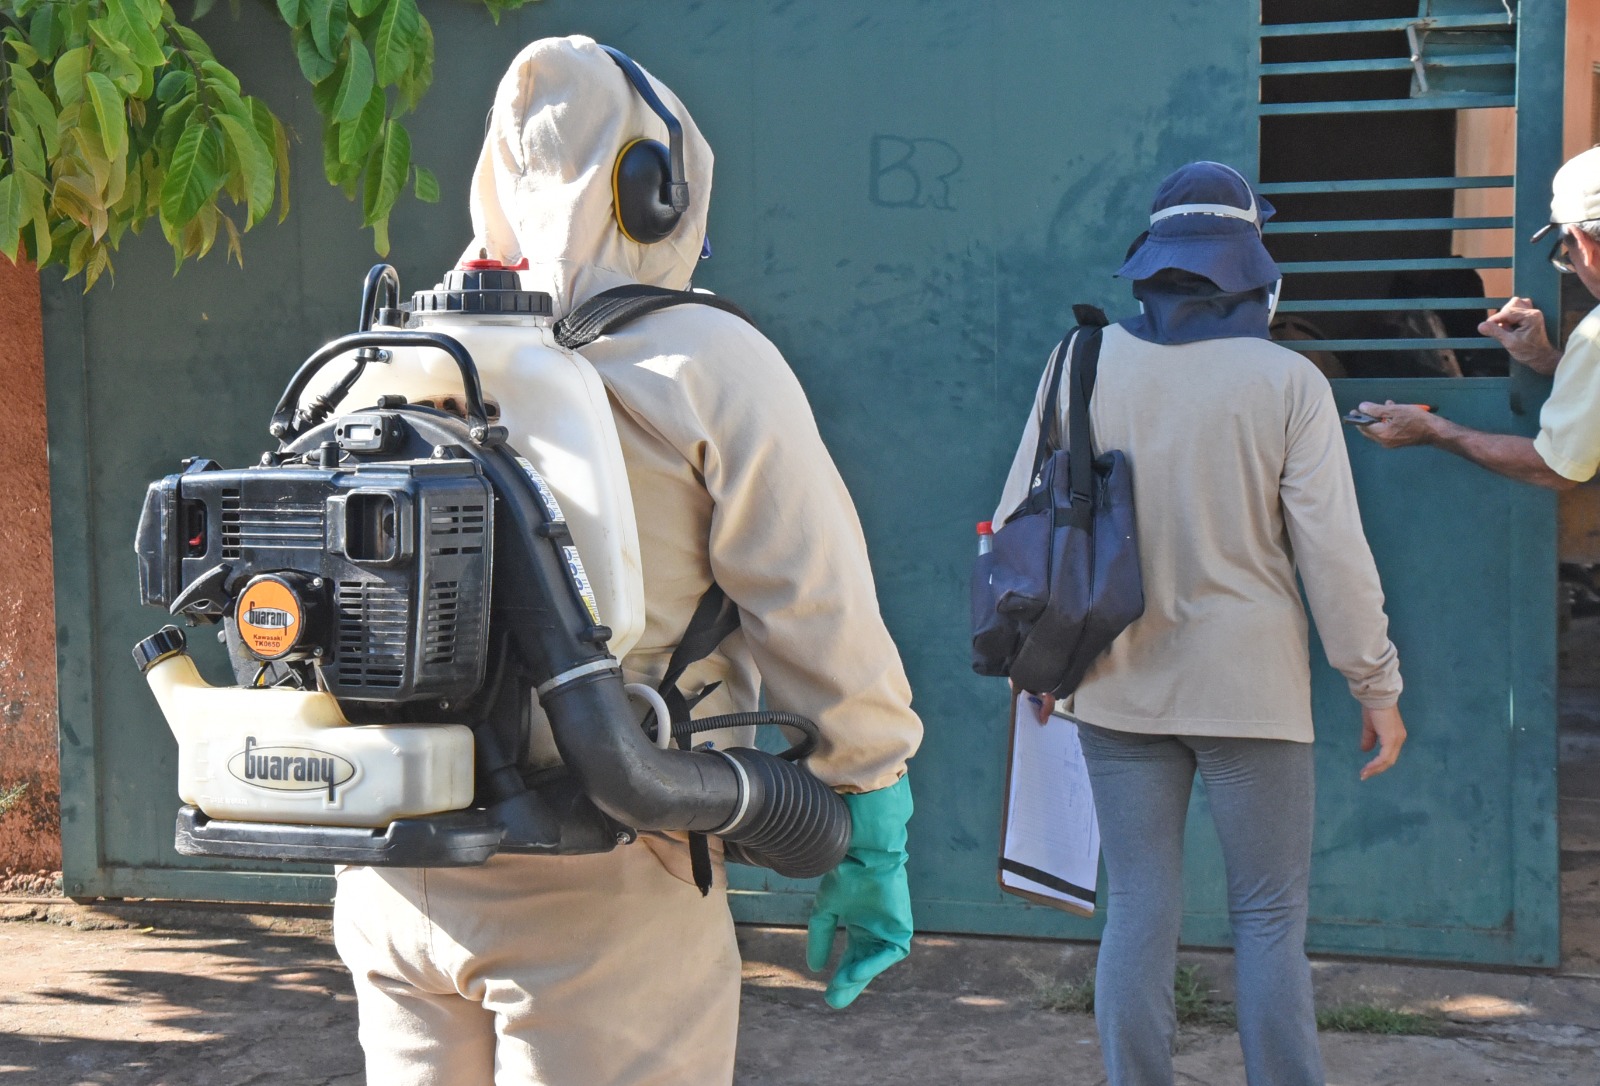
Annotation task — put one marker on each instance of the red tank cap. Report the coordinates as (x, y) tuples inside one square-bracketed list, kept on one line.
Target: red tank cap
[(986, 527), (494, 265)]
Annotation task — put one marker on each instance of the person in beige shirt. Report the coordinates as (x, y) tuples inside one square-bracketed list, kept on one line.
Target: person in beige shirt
[(615, 969), (1566, 450), (1241, 481)]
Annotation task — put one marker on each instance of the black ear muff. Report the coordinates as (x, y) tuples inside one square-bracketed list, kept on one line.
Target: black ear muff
[(640, 189)]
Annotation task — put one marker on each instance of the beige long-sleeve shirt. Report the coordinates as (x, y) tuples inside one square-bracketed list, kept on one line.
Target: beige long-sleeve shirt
[(1240, 479), (731, 482)]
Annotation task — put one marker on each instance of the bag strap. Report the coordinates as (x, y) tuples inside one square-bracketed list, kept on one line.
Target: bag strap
[(1085, 352), (714, 618), (1080, 441), (611, 309)]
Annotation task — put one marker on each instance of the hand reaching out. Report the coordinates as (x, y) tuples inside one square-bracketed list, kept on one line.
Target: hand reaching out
[(1519, 326)]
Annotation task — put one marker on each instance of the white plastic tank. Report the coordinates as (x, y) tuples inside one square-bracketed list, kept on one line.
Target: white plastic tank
[(552, 403), (291, 756)]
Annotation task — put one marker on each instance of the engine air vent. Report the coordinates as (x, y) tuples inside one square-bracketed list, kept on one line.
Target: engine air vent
[(372, 627)]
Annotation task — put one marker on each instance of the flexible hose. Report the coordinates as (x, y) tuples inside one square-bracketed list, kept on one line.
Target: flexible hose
[(683, 729), (797, 825)]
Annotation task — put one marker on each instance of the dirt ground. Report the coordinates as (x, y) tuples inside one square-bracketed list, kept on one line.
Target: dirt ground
[(193, 996)]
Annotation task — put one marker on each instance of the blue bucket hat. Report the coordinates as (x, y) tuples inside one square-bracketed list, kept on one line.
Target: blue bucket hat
[(1206, 219)]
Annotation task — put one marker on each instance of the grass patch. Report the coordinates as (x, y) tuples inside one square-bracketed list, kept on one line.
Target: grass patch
[(1063, 997), (1191, 993), (1367, 1018)]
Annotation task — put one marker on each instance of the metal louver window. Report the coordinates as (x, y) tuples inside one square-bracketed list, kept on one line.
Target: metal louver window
[(1386, 276)]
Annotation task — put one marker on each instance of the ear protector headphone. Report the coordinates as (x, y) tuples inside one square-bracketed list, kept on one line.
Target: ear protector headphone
[(648, 186)]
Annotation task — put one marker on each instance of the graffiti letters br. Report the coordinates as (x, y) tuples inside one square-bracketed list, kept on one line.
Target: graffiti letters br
[(910, 172)]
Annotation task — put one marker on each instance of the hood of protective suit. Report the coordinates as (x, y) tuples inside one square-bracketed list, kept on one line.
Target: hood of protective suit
[(542, 187)]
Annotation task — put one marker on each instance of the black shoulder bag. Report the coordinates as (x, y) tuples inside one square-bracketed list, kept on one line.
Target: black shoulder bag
[(1062, 579)]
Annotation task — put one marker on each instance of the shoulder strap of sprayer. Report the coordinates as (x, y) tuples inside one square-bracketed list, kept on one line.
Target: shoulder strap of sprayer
[(1084, 344), (715, 616), (611, 309)]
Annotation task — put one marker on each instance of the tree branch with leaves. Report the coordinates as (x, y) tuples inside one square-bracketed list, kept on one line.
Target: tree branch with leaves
[(116, 113)]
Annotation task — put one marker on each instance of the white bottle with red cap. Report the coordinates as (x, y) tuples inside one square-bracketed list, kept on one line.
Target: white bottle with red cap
[(552, 403)]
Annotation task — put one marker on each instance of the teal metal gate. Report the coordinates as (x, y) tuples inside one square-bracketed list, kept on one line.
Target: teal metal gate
[(909, 195)]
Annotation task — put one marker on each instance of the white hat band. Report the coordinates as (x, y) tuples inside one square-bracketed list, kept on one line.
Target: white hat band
[(1226, 210)]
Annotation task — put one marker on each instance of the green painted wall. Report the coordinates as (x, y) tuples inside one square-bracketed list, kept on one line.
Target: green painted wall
[(909, 196)]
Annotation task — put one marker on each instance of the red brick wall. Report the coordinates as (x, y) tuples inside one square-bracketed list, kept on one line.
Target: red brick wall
[(30, 831)]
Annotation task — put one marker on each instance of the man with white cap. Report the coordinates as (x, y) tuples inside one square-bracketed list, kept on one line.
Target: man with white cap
[(1240, 482), (621, 969), (1566, 451)]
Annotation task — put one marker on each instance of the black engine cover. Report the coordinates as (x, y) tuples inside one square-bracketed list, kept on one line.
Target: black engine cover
[(389, 561)]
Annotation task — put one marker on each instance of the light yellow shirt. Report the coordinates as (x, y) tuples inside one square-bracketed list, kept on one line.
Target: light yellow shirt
[(1569, 421), (1240, 480)]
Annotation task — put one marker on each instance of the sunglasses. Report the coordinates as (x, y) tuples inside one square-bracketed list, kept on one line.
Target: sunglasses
[(1560, 254)]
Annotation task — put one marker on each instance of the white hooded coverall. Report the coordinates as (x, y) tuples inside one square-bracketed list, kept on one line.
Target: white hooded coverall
[(613, 970)]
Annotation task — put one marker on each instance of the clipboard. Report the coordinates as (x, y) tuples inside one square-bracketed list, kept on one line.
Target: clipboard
[(1049, 835)]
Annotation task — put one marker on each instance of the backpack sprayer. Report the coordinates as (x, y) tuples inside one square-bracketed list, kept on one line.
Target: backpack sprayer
[(403, 594)]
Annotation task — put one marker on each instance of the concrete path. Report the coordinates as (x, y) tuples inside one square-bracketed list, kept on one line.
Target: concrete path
[(149, 995)]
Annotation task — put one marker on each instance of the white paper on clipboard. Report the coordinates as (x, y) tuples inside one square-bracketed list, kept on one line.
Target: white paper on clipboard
[(1050, 844)]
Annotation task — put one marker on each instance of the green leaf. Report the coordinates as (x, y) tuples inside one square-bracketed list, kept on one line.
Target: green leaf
[(69, 73), (396, 40), (109, 112), (255, 164), (313, 65), (416, 80), (13, 212), (272, 134), (42, 243), (78, 253), (26, 150), (355, 86), (235, 243), (33, 105), (99, 263), (357, 136), (329, 20), (45, 31), (337, 171), (200, 9), (131, 26), (148, 10), (425, 185), (380, 236), (220, 76), (230, 102), (173, 85), (192, 42), (387, 171), (173, 121), (194, 175), (294, 12), (25, 53), (360, 9)]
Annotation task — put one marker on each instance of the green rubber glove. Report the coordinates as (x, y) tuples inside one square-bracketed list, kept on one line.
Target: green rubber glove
[(867, 893)]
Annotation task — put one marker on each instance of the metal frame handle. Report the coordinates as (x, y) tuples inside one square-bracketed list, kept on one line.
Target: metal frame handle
[(283, 418)]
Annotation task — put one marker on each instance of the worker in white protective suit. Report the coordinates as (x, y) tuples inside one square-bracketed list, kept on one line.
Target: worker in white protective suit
[(615, 969)]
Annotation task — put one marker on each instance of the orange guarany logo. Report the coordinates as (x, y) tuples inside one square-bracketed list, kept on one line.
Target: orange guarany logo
[(269, 618)]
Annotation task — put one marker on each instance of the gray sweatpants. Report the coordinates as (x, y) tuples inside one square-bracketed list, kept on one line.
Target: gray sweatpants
[(1261, 794)]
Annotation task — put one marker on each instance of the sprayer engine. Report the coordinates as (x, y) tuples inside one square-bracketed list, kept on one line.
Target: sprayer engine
[(397, 586), (368, 580)]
